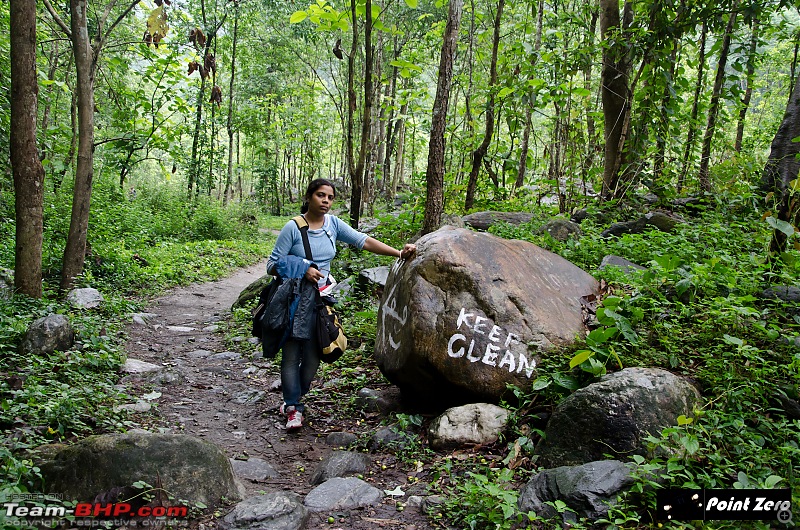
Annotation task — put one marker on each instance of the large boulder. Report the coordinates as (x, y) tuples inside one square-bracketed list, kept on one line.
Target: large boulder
[(188, 468), (614, 416), (48, 334), (483, 220), (468, 316), (588, 489)]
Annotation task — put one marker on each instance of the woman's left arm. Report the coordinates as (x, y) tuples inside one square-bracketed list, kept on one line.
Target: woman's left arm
[(376, 247)]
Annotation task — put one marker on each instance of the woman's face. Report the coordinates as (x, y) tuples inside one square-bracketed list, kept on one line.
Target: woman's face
[(321, 200)]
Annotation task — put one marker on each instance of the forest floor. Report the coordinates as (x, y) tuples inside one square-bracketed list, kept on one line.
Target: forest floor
[(232, 400)]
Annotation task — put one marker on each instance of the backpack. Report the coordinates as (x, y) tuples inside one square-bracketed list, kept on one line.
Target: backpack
[(263, 301)]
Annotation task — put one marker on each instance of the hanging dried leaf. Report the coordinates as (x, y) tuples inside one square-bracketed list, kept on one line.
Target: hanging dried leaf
[(197, 37), (210, 63), (157, 23), (159, 2), (203, 71), (337, 49), (194, 65), (147, 38), (216, 95)]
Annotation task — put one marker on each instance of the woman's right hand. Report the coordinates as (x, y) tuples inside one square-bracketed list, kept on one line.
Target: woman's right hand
[(314, 275)]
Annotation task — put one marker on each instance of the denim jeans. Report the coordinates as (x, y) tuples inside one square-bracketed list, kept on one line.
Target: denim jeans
[(299, 363)]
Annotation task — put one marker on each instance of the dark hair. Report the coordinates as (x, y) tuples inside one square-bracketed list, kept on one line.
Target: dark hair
[(313, 186)]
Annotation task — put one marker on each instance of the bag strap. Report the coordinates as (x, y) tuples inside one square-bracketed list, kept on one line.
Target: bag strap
[(302, 225)]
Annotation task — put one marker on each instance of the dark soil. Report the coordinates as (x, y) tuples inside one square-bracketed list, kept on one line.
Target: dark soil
[(234, 403)]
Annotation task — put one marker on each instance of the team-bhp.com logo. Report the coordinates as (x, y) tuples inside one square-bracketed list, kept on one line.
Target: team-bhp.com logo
[(92, 514)]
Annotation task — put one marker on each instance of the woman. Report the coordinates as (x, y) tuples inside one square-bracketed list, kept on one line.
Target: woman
[(300, 359)]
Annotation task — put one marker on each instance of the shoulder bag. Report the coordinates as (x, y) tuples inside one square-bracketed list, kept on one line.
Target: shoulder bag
[(330, 334)]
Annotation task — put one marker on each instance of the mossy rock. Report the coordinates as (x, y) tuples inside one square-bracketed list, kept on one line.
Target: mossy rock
[(188, 468)]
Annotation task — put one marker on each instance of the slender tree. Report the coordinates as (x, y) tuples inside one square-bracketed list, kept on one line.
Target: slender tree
[(698, 90), (434, 175), (615, 91), (231, 131), (86, 52), (748, 91), (479, 154), (25, 164), (716, 94)]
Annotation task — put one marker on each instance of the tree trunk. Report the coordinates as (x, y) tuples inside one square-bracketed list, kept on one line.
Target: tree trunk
[(663, 126), (229, 179), (529, 104), (698, 90), (705, 157), (748, 91), (479, 153), (75, 251), (781, 170), (355, 177), (25, 164), (434, 175), (615, 92), (366, 119)]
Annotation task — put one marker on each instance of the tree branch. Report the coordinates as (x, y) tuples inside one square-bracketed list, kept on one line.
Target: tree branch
[(122, 15), (57, 19)]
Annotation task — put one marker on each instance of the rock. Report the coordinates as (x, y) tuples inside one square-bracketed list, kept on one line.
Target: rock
[(342, 289), (46, 335), (483, 220), (249, 396), (85, 298), (342, 494), (253, 469), (135, 366), (369, 279), (387, 400), (785, 293), (251, 292), (367, 225), (620, 263), (478, 423), (339, 464), (614, 416), (561, 229), (468, 316), (388, 438), (658, 220), (587, 489), (188, 468), (789, 406), (341, 439), (278, 510), (451, 219), (579, 216), (143, 319), (6, 283), (139, 406), (226, 356)]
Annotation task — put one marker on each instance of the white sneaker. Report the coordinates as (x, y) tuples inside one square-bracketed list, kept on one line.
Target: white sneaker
[(282, 409), (294, 420)]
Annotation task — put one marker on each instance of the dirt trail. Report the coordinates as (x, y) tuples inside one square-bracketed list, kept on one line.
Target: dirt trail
[(232, 400)]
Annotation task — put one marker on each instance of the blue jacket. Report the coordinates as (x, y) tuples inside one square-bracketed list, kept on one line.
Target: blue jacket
[(291, 313)]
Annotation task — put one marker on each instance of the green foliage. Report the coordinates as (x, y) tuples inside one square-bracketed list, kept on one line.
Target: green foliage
[(485, 500)]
